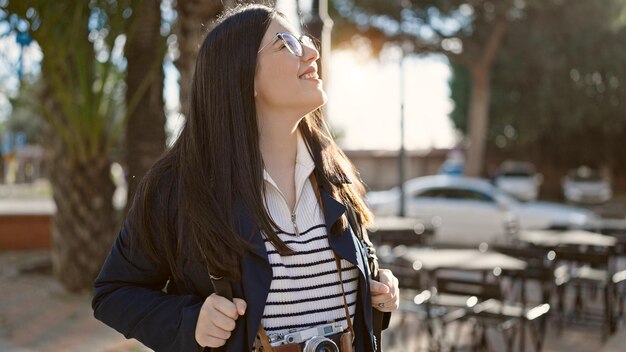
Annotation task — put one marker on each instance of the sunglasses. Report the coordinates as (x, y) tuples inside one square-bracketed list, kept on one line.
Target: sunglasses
[(292, 43)]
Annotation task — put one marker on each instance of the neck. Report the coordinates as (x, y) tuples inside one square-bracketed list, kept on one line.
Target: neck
[(278, 141)]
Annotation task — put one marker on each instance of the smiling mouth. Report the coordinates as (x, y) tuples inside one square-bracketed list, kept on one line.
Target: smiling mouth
[(312, 75)]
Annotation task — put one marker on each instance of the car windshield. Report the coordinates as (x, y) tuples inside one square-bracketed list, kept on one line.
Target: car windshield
[(504, 197)]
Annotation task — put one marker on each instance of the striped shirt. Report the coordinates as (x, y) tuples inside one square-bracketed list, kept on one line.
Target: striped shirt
[(305, 289)]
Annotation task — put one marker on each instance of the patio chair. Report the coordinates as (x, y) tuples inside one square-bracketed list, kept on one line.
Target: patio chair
[(587, 272), (539, 272), (410, 284), (434, 312)]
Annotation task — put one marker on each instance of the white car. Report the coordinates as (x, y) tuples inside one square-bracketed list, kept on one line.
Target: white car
[(585, 185), (467, 211), (519, 179)]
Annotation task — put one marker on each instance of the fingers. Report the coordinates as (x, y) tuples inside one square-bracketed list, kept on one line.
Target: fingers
[(385, 294), (378, 288), (241, 305), (217, 320), (224, 306)]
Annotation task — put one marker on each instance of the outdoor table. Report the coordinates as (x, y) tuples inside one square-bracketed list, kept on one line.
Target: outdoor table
[(400, 230), (461, 259), (428, 261), (553, 239)]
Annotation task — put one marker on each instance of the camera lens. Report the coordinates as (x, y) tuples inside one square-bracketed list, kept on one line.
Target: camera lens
[(320, 344)]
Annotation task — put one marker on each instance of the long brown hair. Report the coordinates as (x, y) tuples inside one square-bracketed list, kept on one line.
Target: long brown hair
[(187, 202)]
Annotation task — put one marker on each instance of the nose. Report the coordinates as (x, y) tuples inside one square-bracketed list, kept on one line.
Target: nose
[(310, 53)]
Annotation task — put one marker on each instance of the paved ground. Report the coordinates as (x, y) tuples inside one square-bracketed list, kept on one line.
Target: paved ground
[(36, 314)]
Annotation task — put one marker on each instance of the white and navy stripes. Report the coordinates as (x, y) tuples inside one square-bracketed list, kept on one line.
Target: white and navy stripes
[(305, 289)]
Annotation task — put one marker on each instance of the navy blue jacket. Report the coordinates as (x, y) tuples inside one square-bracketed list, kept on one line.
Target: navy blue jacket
[(130, 294)]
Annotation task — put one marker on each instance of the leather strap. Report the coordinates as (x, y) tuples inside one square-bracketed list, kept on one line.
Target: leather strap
[(316, 189), (265, 342), (343, 294)]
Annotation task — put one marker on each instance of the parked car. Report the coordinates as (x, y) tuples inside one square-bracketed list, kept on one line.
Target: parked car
[(586, 186), (468, 211), (519, 179)]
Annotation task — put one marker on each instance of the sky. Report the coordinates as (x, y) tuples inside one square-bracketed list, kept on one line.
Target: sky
[(363, 96)]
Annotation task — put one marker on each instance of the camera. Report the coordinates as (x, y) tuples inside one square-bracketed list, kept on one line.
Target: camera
[(315, 339)]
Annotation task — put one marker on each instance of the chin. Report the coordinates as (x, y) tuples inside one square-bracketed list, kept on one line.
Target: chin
[(314, 103), (321, 99)]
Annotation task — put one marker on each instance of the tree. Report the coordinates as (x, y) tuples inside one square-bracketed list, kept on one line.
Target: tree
[(145, 125), (468, 32), (195, 18), (558, 95), (24, 117), (80, 82)]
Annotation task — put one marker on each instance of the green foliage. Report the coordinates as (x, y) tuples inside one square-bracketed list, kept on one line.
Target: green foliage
[(456, 28), (558, 84), (81, 70), (25, 115), (460, 88)]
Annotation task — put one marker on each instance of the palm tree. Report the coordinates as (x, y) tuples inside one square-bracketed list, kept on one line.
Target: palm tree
[(81, 79), (195, 18), (145, 127)]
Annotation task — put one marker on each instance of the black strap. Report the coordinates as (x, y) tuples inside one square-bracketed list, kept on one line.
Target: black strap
[(361, 233), (221, 287)]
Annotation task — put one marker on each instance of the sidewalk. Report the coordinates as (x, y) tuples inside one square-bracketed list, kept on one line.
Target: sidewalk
[(36, 314)]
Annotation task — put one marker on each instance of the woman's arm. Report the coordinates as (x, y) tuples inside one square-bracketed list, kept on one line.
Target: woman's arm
[(129, 297)]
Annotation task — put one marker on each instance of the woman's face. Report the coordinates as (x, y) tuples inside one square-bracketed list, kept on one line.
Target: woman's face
[(283, 81)]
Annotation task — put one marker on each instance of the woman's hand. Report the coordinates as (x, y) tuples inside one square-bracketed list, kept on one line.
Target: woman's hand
[(385, 292), (217, 320)]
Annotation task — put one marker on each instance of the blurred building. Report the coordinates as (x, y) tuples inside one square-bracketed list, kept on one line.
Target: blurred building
[(379, 168)]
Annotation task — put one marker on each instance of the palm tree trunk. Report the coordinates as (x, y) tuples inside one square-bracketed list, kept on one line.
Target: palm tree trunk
[(145, 129), (85, 222), (195, 19)]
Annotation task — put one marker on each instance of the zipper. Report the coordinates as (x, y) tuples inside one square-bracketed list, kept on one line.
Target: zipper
[(293, 213), (295, 225)]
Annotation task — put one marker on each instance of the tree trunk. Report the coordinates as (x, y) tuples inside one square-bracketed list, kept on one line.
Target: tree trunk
[(85, 222), (145, 129), (195, 18), (480, 99), (478, 120)]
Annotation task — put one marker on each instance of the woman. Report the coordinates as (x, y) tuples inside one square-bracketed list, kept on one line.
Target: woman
[(255, 191)]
